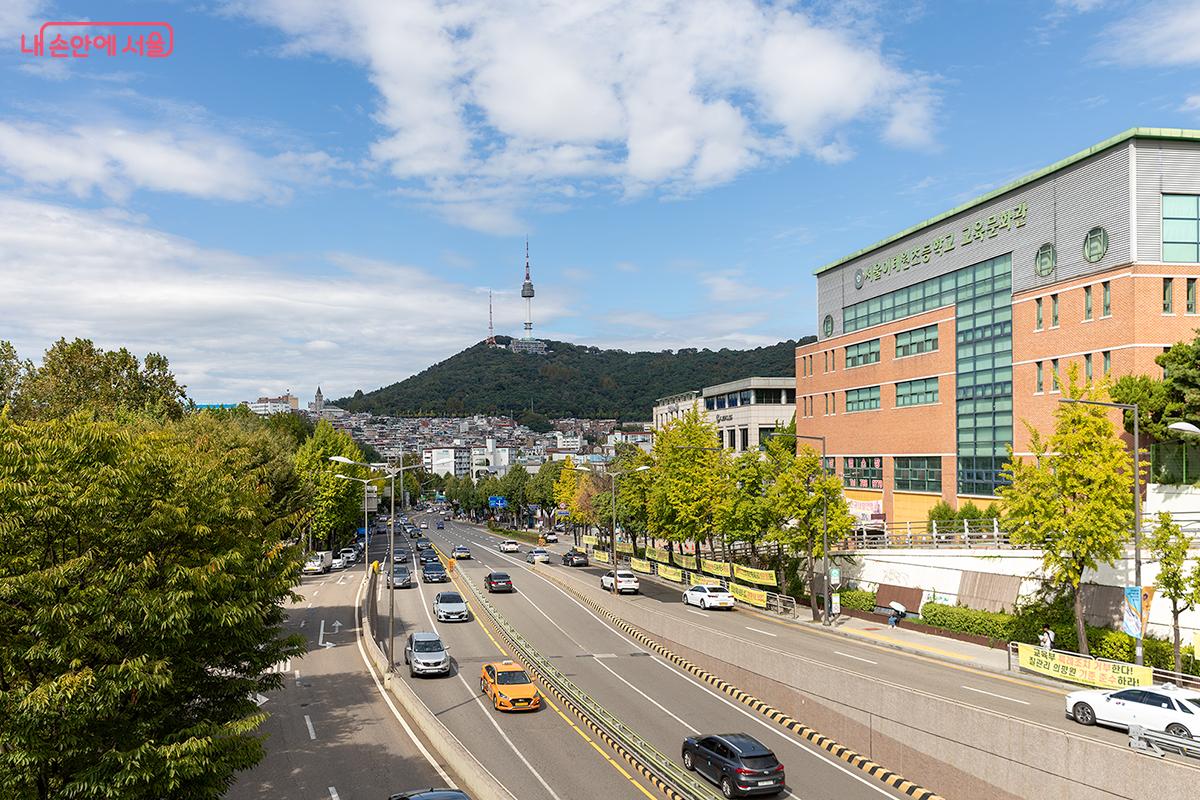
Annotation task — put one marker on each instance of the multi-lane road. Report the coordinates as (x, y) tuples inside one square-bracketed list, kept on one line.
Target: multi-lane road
[(333, 734)]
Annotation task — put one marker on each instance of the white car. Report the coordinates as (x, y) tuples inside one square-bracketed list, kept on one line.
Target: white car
[(551, 537), (424, 526), (338, 563), (538, 554), (349, 555), (708, 596), (509, 546), (1165, 708), (626, 582)]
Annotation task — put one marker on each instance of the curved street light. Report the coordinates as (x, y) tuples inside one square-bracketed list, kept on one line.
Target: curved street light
[(612, 539)]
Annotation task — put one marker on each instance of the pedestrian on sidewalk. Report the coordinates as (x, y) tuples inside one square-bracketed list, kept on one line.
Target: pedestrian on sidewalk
[(1046, 639), (893, 618)]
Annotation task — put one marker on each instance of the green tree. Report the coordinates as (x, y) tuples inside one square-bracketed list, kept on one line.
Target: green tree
[(78, 375), (1169, 547), (514, 486), (744, 512), (297, 426), (808, 504), (541, 487), (1072, 499), (12, 372), (142, 583), (688, 477), (335, 506)]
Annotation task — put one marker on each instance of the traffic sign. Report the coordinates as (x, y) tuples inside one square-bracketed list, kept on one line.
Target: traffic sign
[(835, 576), (496, 501)]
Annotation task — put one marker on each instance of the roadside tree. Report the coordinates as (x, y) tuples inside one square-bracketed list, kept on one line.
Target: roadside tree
[(687, 479), (336, 504), (1169, 547)]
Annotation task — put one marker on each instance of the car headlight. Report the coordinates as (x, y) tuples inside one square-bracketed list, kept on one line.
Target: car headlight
[(503, 696)]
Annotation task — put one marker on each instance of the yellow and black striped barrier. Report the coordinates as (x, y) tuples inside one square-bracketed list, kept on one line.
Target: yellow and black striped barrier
[(877, 771)]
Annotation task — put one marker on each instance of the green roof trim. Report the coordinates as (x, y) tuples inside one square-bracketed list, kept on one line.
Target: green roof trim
[(1176, 134)]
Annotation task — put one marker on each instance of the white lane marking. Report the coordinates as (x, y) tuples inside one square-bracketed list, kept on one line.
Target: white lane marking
[(387, 699), (694, 611), (310, 605), (764, 633), (297, 674), (333, 795), (303, 622), (757, 719), (1000, 696), (482, 708), (856, 658), (317, 592), (312, 734)]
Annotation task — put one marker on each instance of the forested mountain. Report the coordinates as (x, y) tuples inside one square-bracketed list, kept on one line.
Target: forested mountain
[(570, 381)]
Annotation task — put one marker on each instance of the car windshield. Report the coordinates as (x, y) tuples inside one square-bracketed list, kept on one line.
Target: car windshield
[(399, 570), (450, 597), (428, 646), (500, 576), (434, 566), (760, 762), (625, 575), (512, 677), (1194, 701), (717, 590)]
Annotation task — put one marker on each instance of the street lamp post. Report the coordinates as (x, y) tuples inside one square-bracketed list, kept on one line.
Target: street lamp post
[(612, 539), (826, 620), (1137, 498)]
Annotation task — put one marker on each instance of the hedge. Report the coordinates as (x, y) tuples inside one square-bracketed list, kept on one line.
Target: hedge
[(858, 599), (993, 625)]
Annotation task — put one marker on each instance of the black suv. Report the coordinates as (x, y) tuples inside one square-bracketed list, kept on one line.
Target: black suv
[(737, 762)]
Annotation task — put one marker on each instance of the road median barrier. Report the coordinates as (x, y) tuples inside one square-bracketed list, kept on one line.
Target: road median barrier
[(806, 733), (672, 779), (452, 753)]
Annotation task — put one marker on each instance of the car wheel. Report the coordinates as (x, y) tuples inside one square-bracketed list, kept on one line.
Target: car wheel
[(482, 686), (1084, 714), (688, 763), (704, 604), (686, 602), (412, 673), (1175, 729), (727, 786)]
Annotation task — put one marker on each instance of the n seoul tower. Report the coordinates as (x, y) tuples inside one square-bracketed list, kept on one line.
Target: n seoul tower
[(527, 293)]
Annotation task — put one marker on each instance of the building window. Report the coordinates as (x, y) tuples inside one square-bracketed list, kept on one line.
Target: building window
[(1053, 311), (1168, 295), (1039, 378), (1054, 373), (1191, 295), (764, 436), (862, 353), (917, 393), (732, 439), (745, 434), (863, 472), (710, 403), (732, 399), (1087, 302), (1087, 367), (918, 473), (1107, 310), (720, 399), (771, 396), (1180, 228), (865, 399), (921, 340), (830, 465), (1107, 361), (1037, 326)]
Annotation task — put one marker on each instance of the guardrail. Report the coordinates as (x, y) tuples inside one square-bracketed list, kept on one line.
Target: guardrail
[(1159, 744), (675, 778)]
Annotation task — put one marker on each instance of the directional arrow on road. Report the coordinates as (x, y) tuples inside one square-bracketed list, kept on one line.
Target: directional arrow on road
[(321, 639), (259, 699), (336, 626)]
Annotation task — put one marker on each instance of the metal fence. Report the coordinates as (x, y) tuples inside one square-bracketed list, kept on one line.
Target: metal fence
[(1175, 463)]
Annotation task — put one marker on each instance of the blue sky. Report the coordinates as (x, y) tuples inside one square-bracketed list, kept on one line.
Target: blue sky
[(312, 192)]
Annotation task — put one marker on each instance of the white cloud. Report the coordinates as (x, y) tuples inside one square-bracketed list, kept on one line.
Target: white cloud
[(21, 17), (730, 286), (230, 324), (489, 108), (114, 160), (1192, 103), (1162, 34)]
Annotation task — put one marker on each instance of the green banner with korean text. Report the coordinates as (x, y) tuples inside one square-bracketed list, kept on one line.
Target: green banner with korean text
[(685, 561), (763, 577), (721, 568), (670, 573), (640, 565), (754, 597)]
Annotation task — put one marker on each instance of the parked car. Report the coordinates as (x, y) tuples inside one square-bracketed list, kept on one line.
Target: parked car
[(509, 546), (424, 544), (338, 562), (434, 572), (431, 794), (538, 554), (575, 558), (1166, 707), (401, 577), (498, 582), (708, 596), (509, 687), (425, 654), (450, 607), (737, 762), (626, 582), (461, 551), (551, 537)]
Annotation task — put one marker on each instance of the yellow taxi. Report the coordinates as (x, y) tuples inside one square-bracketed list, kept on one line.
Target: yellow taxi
[(509, 687)]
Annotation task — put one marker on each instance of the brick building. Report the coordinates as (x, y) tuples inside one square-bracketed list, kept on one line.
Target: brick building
[(937, 344)]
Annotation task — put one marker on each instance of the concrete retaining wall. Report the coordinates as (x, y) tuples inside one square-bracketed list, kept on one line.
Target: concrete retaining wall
[(960, 751)]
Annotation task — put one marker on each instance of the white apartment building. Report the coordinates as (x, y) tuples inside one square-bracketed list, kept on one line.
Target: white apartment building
[(454, 461), (745, 411), (567, 441), (492, 459)]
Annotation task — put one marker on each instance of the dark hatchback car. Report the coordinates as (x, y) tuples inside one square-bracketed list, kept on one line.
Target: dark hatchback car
[(575, 558), (432, 794), (434, 572), (737, 762), (498, 582)]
